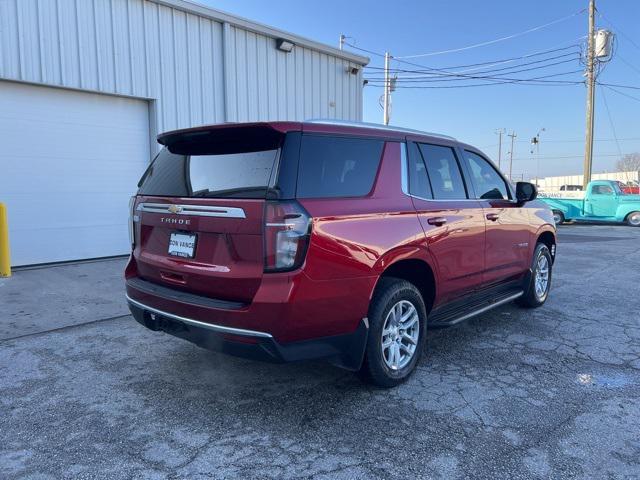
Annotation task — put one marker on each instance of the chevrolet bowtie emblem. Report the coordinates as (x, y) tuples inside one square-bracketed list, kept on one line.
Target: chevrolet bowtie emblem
[(175, 208)]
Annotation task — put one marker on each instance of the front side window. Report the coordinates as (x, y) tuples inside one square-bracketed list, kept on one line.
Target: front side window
[(602, 190), (488, 183), (337, 166), (444, 172)]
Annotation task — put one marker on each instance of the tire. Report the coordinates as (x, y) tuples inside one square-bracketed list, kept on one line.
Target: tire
[(394, 297), (535, 296), (558, 217), (633, 219)]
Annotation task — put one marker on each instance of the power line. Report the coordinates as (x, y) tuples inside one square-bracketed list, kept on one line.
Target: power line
[(566, 157), (633, 87), (619, 30), (490, 42), (479, 75), (480, 64), (620, 93), (510, 69), (446, 73), (613, 128), (371, 52), (537, 81), (628, 139), (628, 63), (440, 70)]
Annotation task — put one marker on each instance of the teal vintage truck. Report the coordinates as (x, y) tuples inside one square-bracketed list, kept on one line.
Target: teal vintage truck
[(603, 201)]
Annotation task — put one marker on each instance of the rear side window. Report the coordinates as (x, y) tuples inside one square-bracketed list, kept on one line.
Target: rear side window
[(488, 183), (337, 167), (236, 175), (444, 172), (418, 180)]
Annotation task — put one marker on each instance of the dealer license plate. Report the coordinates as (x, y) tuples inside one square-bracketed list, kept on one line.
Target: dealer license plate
[(182, 245)]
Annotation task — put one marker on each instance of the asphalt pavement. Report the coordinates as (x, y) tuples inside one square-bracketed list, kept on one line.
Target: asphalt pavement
[(86, 392)]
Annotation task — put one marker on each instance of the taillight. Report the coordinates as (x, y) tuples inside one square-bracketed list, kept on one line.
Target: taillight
[(132, 219), (287, 229)]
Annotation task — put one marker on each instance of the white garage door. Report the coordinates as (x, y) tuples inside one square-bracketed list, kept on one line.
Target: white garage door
[(69, 161)]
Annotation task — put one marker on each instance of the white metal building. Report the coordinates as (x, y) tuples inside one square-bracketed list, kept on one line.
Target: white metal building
[(86, 85), (554, 183)]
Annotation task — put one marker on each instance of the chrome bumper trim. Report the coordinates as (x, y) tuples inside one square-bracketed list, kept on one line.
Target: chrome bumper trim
[(198, 323)]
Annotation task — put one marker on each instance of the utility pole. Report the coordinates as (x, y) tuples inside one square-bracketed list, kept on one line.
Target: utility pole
[(342, 39), (588, 149), (387, 89), (500, 132), (513, 137)]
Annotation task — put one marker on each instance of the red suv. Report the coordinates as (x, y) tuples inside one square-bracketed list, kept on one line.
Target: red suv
[(326, 240)]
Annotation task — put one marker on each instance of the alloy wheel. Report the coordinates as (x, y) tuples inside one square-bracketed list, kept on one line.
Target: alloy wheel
[(400, 335), (542, 276)]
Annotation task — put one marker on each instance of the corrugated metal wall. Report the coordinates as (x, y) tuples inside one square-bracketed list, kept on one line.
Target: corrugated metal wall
[(302, 84), (142, 49)]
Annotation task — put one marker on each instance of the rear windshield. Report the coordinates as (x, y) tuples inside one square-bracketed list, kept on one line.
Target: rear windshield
[(337, 167), (235, 175)]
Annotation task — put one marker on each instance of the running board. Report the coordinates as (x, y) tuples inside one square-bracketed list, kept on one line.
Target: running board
[(451, 315)]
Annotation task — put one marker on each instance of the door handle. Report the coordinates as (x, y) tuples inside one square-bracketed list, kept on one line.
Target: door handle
[(492, 216), (437, 221)]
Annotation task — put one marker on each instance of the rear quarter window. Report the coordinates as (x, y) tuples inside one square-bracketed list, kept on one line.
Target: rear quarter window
[(337, 166)]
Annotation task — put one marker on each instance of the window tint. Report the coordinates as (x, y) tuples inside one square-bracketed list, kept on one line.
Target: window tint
[(488, 184), (240, 175), (337, 167), (602, 190), (418, 180), (444, 172)]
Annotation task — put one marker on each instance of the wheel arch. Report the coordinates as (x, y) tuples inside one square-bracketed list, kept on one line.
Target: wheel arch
[(549, 239), (415, 269)]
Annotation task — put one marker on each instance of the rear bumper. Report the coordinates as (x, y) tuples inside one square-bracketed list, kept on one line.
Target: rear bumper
[(346, 351)]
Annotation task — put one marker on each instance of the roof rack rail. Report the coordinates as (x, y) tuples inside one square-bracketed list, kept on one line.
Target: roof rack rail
[(378, 126)]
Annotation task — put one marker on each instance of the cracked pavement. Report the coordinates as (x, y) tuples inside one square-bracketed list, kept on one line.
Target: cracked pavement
[(85, 392)]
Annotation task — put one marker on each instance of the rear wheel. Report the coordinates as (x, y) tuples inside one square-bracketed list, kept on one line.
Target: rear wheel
[(537, 290), (397, 328), (633, 219), (558, 217)]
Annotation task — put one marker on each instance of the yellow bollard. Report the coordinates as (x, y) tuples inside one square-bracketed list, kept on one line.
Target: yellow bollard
[(5, 257)]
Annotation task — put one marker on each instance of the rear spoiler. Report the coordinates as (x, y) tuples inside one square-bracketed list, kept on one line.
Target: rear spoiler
[(227, 138)]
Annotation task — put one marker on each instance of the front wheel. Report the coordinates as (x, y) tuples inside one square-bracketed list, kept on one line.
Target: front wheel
[(633, 219), (397, 329), (558, 217), (537, 290)]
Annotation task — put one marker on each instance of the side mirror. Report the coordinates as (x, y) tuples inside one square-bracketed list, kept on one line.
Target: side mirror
[(526, 192)]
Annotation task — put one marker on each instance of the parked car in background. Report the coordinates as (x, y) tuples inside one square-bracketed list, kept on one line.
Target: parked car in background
[(630, 188), (570, 188), (289, 241), (603, 201)]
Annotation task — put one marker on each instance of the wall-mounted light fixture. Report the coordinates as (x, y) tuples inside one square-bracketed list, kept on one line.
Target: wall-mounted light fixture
[(284, 45), (353, 70)]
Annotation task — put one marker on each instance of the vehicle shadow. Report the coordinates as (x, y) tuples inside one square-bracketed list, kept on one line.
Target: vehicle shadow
[(283, 390)]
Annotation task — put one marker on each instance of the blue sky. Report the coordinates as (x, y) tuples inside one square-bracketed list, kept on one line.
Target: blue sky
[(473, 114)]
